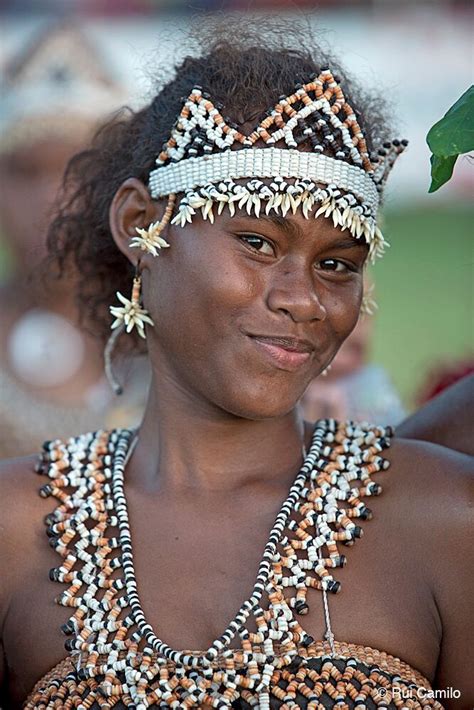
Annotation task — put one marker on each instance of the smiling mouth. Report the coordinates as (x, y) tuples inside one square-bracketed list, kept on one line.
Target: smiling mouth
[(286, 353)]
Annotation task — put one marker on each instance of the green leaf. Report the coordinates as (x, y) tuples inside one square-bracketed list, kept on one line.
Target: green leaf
[(441, 170), (454, 133)]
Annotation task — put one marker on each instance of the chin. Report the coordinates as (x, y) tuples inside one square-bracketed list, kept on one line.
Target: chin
[(261, 402)]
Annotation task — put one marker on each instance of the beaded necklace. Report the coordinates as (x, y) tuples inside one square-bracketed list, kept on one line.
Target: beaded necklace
[(252, 604), (119, 654)]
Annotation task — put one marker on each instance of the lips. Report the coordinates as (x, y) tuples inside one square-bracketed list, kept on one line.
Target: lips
[(284, 352)]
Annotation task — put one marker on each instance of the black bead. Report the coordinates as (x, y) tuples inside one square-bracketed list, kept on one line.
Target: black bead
[(387, 144), (54, 574), (46, 490), (67, 628), (404, 142), (334, 587), (295, 664), (41, 466), (307, 641), (301, 607), (82, 674), (69, 644)]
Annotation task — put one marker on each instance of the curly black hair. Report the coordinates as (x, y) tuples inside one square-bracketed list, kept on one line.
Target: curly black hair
[(244, 70)]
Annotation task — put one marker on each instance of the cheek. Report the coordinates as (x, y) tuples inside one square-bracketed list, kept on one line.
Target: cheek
[(195, 295), (343, 308)]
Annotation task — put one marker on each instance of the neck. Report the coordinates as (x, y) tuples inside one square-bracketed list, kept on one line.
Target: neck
[(184, 444)]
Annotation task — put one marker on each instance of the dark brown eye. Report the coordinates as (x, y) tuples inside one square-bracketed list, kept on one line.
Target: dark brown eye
[(257, 243), (332, 265)]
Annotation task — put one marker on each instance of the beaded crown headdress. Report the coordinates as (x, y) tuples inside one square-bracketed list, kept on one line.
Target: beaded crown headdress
[(206, 154)]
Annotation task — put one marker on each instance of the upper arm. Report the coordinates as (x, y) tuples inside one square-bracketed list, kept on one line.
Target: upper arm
[(17, 487), (452, 564), (446, 419), (436, 513)]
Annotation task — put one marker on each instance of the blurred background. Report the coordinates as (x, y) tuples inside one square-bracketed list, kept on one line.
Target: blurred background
[(83, 58)]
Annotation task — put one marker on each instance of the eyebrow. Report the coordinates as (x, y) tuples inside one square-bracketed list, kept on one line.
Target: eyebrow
[(291, 229), (349, 243)]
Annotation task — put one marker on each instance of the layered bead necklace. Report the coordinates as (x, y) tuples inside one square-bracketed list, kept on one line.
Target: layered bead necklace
[(118, 653)]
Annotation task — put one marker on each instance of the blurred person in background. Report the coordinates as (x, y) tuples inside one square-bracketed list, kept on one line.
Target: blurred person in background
[(353, 387), (55, 91), (443, 376)]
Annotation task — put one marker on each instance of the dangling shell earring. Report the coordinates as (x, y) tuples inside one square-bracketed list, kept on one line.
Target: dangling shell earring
[(129, 315)]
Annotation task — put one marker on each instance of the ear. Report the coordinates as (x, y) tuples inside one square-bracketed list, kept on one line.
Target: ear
[(132, 207)]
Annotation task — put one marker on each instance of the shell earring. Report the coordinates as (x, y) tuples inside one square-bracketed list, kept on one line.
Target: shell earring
[(131, 313), (150, 239), (128, 316)]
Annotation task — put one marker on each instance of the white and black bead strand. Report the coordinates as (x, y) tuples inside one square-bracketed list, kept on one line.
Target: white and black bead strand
[(262, 577)]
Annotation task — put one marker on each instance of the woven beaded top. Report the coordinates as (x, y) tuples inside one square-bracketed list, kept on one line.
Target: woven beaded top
[(264, 658)]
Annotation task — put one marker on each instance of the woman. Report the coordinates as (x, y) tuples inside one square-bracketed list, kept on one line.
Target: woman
[(245, 305), (55, 90)]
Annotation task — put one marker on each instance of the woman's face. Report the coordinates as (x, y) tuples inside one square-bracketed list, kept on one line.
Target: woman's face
[(248, 311)]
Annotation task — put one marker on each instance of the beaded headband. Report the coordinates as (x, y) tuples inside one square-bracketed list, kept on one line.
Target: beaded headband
[(206, 154)]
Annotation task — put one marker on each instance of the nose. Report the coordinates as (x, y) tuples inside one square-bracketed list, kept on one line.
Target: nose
[(293, 292)]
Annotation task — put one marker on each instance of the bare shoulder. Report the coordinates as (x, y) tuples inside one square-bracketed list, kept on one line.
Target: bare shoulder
[(20, 532), (18, 487), (434, 481), (423, 462), (20, 513)]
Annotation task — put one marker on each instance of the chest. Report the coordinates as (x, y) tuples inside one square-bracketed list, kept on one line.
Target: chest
[(192, 577)]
